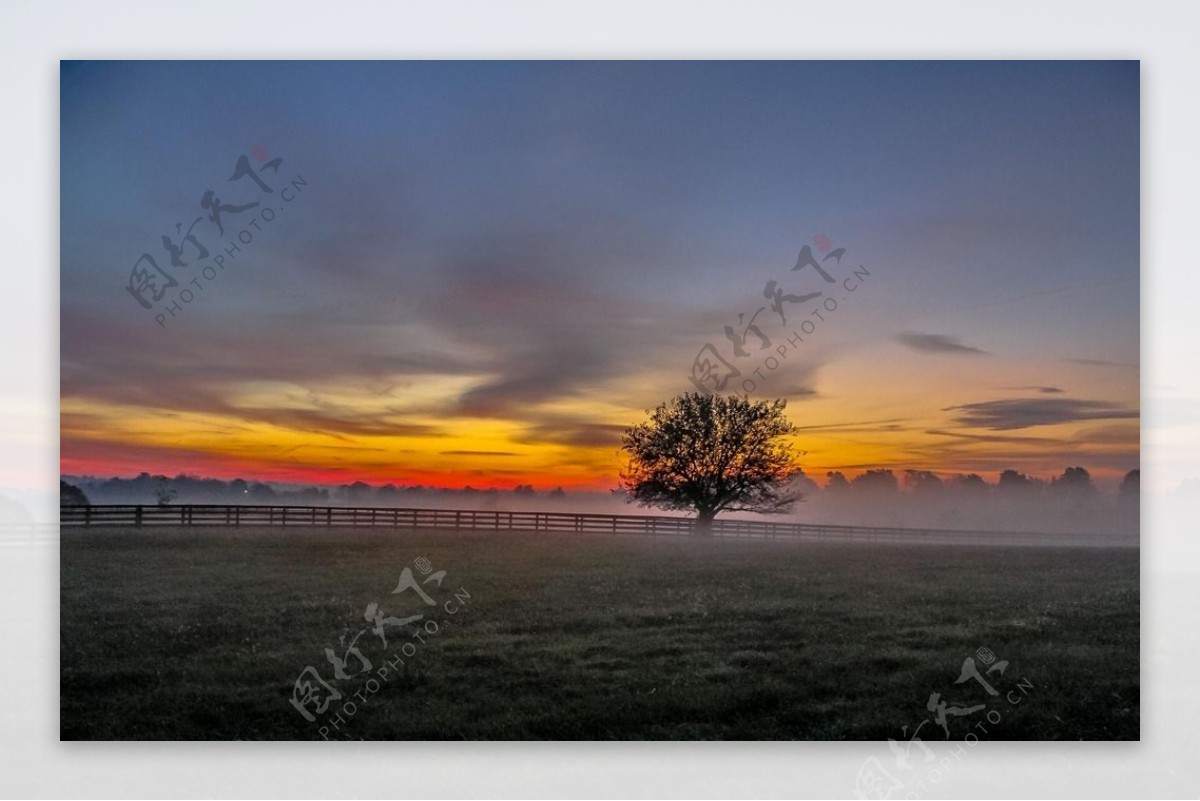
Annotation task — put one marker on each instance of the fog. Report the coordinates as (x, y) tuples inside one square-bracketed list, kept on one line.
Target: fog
[(1070, 503)]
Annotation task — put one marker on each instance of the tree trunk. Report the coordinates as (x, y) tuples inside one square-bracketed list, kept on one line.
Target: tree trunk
[(704, 520)]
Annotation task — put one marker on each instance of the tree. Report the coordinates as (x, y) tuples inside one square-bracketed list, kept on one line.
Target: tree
[(878, 481), (71, 495), (711, 454), (836, 482), (973, 483), (357, 493), (1129, 499), (1131, 486), (922, 481), (261, 492), (1012, 481), (1075, 481), (801, 483), (162, 491)]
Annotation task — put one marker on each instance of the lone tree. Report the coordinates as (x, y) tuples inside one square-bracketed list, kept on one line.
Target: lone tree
[(711, 453)]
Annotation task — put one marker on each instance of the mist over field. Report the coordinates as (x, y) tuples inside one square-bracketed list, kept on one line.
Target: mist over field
[(1070, 503)]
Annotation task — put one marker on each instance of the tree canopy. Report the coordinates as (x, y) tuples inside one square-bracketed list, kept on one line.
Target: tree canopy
[(711, 454)]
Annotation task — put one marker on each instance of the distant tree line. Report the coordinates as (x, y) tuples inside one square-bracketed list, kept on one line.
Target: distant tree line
[(1076, 481), (1070, 501), (163, 490), (145, 488)]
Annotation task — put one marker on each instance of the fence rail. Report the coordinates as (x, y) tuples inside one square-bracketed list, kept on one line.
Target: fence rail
[(557, 522)]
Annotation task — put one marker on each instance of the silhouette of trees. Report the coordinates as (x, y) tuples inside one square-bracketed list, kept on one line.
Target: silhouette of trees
[(1074, 482), (711, 454), (972, 483), (922, 482), (71, 495), (1012, 481), (163, 493), (1129, 498), (1072, 501), (1131, 486), (262, 492), (802, 484), (875, 481)]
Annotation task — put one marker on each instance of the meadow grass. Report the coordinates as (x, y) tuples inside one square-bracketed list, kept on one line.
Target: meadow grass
[(195, 633)]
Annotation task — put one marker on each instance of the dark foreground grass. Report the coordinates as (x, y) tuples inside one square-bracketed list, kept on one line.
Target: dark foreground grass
[(201, 634)]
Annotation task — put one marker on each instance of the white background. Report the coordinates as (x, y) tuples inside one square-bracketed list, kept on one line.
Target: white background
[(33, 37)]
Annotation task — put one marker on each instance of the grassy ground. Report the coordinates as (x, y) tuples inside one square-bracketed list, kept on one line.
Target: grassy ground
[(201, 634)]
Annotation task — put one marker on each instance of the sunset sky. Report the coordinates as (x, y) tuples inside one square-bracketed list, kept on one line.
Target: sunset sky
[(487, 270)]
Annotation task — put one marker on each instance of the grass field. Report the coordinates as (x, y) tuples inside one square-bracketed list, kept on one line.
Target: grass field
[(202, 633)]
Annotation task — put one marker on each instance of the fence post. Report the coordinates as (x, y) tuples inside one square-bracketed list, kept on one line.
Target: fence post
[(137, 516)]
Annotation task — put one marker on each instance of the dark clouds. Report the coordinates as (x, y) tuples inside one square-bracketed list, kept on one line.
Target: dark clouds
[(1043, 389), (938, 343), (565, 430), (1007, 415)]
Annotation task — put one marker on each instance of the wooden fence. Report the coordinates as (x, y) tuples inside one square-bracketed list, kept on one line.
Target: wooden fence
[(553, 522)]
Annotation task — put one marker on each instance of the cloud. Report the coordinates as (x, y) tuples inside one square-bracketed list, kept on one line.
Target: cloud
[(1002, 439), (575, 432), (890, 424), (938, 343), (1125, 434), (1036, 388), (1007, 415), (1103, 363), (478, 453)]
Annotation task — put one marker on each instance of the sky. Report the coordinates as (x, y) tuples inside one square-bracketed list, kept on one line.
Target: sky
[(453, 273)]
